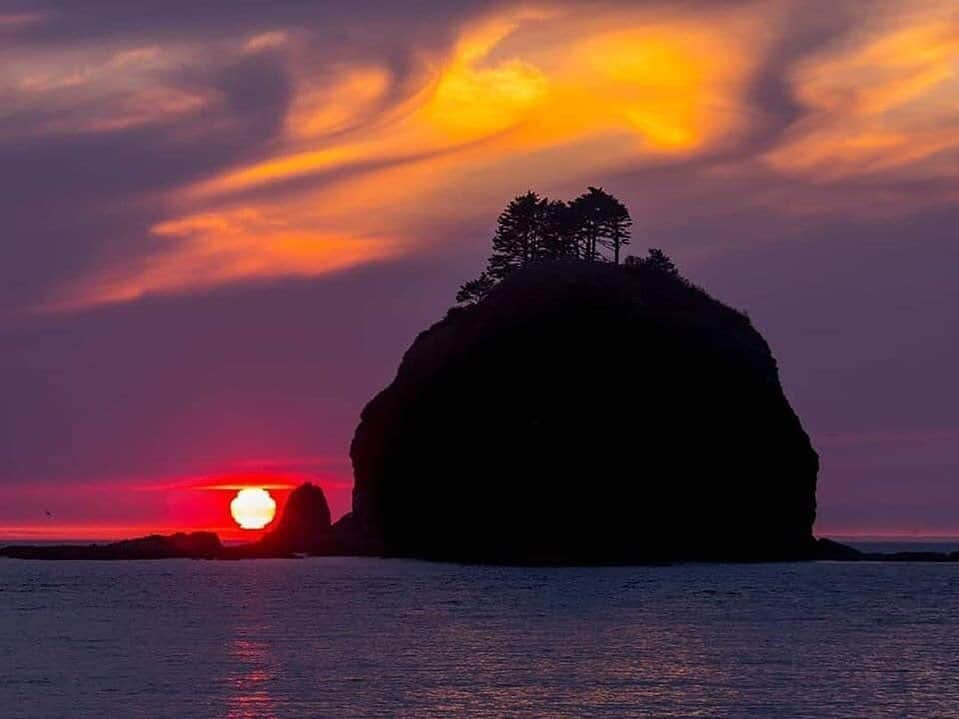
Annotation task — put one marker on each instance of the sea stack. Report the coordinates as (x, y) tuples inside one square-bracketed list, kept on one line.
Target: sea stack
[(587, 413), (304, 526)]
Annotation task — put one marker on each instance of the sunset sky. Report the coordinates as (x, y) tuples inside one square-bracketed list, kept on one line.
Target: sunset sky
[(223, 223)]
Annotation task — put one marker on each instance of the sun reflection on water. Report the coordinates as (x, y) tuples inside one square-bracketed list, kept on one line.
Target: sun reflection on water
[(249, 683)]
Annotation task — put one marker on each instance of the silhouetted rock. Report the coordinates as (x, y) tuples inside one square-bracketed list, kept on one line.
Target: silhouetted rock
[(304, 526), (193, 545), (587, 413), (830, 550), (351, 538)]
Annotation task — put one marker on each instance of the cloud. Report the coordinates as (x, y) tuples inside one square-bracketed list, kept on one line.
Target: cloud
[(14, 22), (216, 248), (315, 145), (95, 90), (883, 101), (600, 97)]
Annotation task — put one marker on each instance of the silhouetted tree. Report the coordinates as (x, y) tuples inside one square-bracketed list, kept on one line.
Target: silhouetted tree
[(534, 228), (588, 211), (475, 290), (616, 225), (659, 261), (518, 235), (600, 220), (557, 229)]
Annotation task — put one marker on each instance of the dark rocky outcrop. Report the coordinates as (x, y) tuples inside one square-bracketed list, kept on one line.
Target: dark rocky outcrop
[(830, 550), (586, 413), (352, 538), (303, 528), (192, 545), (304, 525)]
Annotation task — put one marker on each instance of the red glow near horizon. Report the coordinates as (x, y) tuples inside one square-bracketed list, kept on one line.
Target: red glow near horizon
[(110, 511)]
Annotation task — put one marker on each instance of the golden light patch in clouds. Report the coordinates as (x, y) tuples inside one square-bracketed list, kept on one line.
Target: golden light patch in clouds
[(652, 79), (661, 83), (470, 99), (885, 100), (499, 93)]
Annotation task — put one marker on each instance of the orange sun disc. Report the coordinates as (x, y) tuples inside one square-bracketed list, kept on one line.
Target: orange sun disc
[(253, 508)]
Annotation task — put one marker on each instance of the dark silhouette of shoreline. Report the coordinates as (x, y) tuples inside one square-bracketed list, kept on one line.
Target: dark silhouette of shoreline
[(207, 545)]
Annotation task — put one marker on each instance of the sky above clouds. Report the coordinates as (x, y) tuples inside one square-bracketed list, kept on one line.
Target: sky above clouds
[(224, 222)]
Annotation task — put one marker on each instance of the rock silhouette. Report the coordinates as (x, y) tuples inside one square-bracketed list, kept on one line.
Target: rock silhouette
[(303, 528), (304, 525), (587, 413), (192, 545)]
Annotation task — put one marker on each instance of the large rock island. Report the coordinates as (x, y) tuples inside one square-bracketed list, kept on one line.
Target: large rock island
[(586, 413)]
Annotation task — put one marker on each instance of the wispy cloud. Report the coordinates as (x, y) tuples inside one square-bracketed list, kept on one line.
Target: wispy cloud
[(884, 100), (360, 158)]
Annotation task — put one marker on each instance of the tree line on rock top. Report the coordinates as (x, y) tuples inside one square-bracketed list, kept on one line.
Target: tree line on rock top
[(594, 227)]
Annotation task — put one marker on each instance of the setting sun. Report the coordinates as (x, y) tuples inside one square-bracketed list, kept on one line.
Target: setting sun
[(253, 508)]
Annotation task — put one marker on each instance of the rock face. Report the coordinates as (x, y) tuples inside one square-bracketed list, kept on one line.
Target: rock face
[(586, 413), (304, 526)]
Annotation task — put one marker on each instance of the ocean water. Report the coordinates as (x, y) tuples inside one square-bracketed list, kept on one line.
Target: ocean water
[(342, 637)]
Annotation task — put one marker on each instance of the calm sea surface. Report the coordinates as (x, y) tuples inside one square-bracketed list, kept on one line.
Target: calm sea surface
[(375, 638)]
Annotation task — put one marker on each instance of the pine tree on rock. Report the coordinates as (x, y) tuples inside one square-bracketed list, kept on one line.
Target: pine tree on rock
[(533, 228), (616, 226), (558, 230), (589, 210), (518, 235)]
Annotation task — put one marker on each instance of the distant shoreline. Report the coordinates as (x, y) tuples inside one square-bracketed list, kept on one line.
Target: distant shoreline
[(206, 545), (844, 538)]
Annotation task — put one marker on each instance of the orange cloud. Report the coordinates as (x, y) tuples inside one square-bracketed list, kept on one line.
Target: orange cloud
[(361, 169), (219, 247), (503, 87), (594, 95), (320, 110)]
